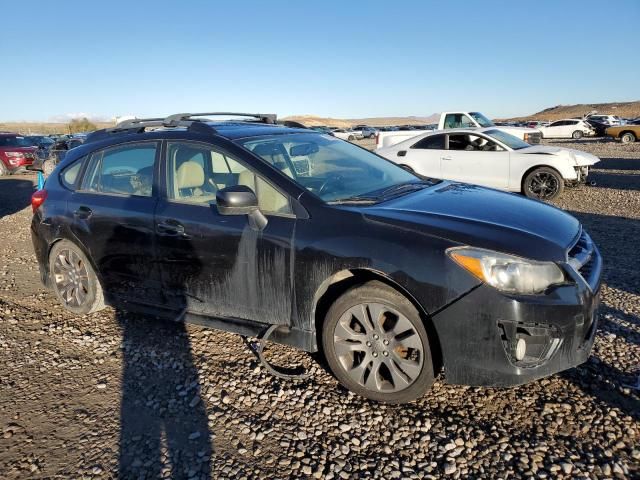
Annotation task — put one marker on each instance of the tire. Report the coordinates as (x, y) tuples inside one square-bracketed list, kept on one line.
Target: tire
[(351, 138), (577, 135), (543, 183), (47, 167), (3, 169), (628, 137), (73, 279), (363, 353)]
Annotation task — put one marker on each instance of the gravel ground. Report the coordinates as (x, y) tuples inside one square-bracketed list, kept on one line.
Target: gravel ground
[(109, 394)]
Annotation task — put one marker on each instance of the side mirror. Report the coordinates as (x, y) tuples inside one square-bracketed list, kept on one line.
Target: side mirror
[(236, 200), (241, 200)]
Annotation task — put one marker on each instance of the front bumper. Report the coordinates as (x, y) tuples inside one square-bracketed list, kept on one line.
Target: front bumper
[(478, 333)]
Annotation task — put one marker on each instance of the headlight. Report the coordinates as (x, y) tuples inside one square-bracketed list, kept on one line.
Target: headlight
[(507, 273)]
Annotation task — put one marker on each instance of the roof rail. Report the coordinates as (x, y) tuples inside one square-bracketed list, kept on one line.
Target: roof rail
[(262, 117), (188, 120)]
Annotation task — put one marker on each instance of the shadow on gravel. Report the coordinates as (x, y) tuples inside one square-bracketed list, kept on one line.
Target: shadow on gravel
[(620, 181), (617, 163), (20, 197), (617, 239), (164, 424), (601, 381)]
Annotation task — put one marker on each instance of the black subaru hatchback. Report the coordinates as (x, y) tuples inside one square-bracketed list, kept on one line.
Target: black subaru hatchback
[(250, 226)]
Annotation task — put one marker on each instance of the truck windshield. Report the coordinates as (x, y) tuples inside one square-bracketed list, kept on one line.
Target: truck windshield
[(334, 170), (481, 119), (509, 140)]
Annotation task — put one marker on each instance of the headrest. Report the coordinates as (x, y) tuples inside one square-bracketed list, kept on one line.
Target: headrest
[(190, 175)]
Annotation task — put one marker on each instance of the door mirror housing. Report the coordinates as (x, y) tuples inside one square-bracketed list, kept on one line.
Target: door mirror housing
[(236, 200)]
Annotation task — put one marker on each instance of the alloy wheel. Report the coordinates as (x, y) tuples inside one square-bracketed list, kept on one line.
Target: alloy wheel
[(378, 347), (71, 278), (544, 185)]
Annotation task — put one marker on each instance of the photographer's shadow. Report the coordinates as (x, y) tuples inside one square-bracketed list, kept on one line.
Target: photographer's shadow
[(163, 419)]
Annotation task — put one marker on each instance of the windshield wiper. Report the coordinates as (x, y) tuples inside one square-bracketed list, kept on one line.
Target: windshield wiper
[(403, 188), (355, 199)]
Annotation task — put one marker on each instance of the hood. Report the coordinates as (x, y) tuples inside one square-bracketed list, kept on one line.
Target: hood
[(482, 217), (578, 157)]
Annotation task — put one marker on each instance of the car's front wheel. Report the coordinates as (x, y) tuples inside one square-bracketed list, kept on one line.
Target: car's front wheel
[(376, 344), (74, 280), (628, 137), (543, 183), (577, 135), (3, 170)]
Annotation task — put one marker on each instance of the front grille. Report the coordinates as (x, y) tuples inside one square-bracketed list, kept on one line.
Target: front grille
[(534, 138), (585, 259)]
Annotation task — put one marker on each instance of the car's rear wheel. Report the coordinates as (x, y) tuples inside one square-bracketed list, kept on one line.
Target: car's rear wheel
[(543, 183), (577, 135), (74, 280), (351, 138), (376, 344), (628, 137)]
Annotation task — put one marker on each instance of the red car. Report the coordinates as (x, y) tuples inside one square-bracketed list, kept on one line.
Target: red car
[(16, 153)]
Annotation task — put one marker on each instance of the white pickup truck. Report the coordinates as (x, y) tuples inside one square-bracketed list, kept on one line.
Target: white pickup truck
[(459, 120)]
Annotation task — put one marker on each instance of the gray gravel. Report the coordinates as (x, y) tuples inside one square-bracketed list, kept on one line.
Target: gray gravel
[(110, 394)]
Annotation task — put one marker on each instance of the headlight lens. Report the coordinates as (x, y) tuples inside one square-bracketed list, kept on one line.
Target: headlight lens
[(507, 273)]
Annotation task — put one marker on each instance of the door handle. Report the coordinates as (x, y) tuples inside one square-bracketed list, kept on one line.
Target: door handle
[(171, 228), (83, 212), (402, 153), (446, 158)]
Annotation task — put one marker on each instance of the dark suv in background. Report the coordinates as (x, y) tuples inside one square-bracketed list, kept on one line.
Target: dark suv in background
[(261, 229), (16, 153)]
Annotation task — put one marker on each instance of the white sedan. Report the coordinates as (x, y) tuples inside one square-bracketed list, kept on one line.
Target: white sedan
[(346, 134), (493, 158)]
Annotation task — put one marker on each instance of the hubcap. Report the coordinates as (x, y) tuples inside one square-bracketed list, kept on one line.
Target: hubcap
[(378, 347), (543, 185), (71, 278)]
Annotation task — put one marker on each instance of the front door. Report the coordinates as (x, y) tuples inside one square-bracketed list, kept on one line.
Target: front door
[(475, 159), (113, 218), (217, 265)]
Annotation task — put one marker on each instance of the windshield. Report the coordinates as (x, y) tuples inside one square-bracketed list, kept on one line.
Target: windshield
[(332, 169), (509, 140), (481, 119), (11, 141)]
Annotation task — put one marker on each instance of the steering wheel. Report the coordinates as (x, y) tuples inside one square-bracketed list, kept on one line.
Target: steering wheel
[(334, 178)]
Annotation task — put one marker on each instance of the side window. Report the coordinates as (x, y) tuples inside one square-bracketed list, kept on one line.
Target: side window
[(196, 172), (122, 170), (472, 143), (556, 124), (69, 175), (457, 120), (432, 142), (572, 122)]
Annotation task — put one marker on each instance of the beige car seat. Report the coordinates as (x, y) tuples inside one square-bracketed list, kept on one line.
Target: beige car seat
[(189, 181)]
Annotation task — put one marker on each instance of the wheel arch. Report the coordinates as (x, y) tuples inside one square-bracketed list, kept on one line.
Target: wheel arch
[(623, 132), (338, 283), (535, 167)]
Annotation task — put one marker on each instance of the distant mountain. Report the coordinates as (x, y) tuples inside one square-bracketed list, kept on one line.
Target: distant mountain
[(313, 120), (622, 109)]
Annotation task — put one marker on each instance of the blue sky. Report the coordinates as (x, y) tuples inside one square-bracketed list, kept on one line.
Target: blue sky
[(330, 58)]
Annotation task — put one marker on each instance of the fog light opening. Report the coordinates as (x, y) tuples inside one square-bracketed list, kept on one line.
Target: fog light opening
[(521, 349)]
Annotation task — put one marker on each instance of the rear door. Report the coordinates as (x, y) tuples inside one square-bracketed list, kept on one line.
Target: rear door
[(216, 265), (475, 159), (555, 129), (112, 216)]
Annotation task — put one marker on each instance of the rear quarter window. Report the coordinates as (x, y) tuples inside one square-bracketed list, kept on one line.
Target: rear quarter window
[(69, 176)]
